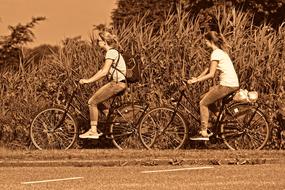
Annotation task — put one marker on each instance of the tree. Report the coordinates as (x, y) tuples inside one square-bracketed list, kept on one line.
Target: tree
[(272, 11), (128, 9), (11, 45)]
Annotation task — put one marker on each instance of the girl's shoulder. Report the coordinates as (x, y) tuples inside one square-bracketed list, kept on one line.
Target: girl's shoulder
[(112, 53), (219, 52)]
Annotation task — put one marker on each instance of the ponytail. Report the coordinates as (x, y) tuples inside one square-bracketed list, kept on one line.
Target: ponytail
[(225, 44), (218, 39)]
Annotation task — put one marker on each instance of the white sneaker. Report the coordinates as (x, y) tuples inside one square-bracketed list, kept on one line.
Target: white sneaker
[(90, 135), (201, 136)]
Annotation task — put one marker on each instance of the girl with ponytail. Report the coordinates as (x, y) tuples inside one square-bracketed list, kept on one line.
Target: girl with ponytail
[(228, 80)]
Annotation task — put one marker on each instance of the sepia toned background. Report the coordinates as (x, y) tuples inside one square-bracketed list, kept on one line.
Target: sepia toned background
[(168, 42)]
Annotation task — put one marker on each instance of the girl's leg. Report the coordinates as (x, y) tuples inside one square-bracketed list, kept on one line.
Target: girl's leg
[(209, 98), (104, 93), (214, 94)]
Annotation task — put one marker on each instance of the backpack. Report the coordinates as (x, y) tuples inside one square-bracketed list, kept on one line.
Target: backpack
[(133, 71)]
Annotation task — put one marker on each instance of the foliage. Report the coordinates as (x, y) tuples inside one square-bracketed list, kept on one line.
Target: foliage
[(23, 94), (272, 11), (128, 9), (11, 46)]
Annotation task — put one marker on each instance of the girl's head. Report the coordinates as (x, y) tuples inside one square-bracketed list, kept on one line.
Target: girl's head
[(106, 38), (216, 39)]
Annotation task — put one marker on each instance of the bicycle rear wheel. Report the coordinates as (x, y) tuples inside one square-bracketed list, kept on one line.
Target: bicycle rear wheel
[(44, 133), (124, 128), (244, 126), (160, 128)]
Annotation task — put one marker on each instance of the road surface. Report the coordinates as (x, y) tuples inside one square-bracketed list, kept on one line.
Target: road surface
[(243, 177)]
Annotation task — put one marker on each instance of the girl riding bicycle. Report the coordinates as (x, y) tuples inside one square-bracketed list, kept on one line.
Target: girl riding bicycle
[(115, 68), (228, 83)]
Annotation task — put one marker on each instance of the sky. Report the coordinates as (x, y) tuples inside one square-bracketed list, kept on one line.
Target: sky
[(65, 18)]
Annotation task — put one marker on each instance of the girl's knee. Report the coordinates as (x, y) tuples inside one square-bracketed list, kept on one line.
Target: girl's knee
[(202, 103), (92, 102)]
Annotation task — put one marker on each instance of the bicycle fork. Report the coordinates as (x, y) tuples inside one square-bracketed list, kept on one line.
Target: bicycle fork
[(171, 120), (66, 108)]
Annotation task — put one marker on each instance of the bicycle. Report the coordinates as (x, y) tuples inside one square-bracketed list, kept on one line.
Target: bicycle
[(57, 127), (239, 125)]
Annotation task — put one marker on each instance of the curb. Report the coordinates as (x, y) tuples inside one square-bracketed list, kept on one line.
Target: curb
[(137, 162)]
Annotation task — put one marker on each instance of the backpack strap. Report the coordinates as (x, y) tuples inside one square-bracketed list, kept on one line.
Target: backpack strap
[(115, 67)]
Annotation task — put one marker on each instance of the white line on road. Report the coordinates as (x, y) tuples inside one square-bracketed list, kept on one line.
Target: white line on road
[(179, 169), (50, 180)]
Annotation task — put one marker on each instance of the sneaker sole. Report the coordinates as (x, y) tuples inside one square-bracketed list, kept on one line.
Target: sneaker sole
[(199, 139), (89, 137)]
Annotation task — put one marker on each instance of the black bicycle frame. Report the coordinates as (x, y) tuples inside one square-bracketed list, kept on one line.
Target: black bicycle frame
[(113, 107), (66, 108)]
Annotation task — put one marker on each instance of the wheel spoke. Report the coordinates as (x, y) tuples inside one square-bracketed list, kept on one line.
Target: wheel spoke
[(124, 132), (45, 136), (160, 130), (254, 132)]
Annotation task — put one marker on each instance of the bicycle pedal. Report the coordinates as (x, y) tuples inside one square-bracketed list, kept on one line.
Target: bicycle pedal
[(218, 137), (108, 137), (210, 133)]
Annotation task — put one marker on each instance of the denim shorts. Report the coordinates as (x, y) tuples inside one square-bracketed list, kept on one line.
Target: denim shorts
[(215, 93), (107, 91)]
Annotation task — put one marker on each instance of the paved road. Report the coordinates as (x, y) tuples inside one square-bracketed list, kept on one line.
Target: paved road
[(244, 177)]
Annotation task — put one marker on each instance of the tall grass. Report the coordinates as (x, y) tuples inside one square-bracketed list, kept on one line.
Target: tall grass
[(170, 51)]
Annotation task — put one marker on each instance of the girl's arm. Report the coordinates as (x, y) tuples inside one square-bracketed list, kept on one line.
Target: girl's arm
[(100, 74), (203, 76), (203, 73)]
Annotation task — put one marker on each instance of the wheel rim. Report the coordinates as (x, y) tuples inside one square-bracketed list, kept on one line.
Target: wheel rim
[(247, 128), (155, 135), (43, 134), (124, 132)]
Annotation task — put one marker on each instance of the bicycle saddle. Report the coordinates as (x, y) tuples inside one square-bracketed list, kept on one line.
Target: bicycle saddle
[(229, 97), (122, 92)]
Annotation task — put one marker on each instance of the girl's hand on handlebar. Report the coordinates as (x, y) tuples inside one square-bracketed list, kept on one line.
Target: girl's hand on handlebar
[(82, 81)]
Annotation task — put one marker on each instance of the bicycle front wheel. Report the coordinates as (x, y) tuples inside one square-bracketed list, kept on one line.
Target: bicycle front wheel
[(124, 127), (52, 128), (244, 126), (162, 128)]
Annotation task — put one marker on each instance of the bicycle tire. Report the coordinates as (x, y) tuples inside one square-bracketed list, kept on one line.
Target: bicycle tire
[(124, 127), (244, 126), (153, 133), (44, 136)]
